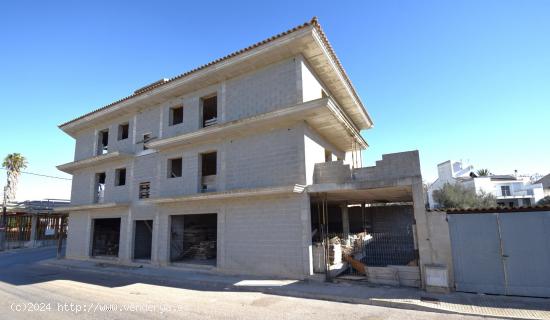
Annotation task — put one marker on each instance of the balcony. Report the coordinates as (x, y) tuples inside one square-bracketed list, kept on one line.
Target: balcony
[(100, 159), (515, 193), (324, 115)]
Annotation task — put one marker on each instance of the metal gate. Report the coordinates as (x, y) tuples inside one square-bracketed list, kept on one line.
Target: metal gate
[(502, 253)]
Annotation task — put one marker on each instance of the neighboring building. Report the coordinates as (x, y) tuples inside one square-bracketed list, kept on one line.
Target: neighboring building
[(509, 190), (448, 172), (545, 181), (238, 165), (34, 223), (46, 206)]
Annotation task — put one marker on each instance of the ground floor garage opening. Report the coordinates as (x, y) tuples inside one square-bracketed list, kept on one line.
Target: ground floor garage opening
[(193, 238), (373, 241), (143, 239), (106, 237)]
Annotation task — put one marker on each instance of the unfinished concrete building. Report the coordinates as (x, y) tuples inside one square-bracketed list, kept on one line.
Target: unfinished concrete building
[(247, 165)]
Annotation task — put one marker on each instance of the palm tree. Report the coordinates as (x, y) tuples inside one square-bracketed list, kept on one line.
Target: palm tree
[(13, 163), (483, 173)]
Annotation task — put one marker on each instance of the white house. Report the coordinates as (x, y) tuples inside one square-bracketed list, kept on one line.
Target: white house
[(545, 184), (448, 172), (510, 190)]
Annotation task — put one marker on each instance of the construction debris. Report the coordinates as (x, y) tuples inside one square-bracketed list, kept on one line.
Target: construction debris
[(199, 243)]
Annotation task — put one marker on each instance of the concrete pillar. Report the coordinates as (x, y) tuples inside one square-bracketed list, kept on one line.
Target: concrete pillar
[(126, 238), (345, 219), (155, 240), (305, 218), (161, 251), (345, 223), (424, 239), (422, 232), (363, 217), (34, 226)]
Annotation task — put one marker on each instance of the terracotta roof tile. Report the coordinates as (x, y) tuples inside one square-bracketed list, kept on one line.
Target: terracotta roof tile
[(313, 22), (493, 209)]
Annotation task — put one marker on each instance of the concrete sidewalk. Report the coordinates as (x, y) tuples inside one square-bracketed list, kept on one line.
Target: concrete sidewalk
[(358, 293)]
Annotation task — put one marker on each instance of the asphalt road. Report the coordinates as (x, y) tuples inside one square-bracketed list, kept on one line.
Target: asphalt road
[(29, 290)]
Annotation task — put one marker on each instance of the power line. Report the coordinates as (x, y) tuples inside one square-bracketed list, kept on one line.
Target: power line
[(41, 175)]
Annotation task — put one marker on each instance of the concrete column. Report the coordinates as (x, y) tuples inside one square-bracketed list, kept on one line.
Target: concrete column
[(34, 226), (363, 217), (345, 223), (126, 238), (155, 245), (162, 256), (345, 219), (220, 245), (305, 218), (423, 237)]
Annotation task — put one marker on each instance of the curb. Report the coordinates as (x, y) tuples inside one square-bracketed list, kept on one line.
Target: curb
[(267, 290)]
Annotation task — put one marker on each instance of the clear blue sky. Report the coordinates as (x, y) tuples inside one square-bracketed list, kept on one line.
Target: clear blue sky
[(454, 79)]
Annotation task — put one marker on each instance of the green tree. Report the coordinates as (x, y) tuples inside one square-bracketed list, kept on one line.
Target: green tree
[(544, 201), (13, 163), (483, 173), (459, 197)]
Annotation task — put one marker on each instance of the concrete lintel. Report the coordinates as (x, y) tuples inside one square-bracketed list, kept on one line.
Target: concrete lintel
[(91, 207), (223, 195), (363, 185)]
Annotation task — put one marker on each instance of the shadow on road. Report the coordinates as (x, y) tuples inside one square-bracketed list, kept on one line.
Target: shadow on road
[(28, 266)]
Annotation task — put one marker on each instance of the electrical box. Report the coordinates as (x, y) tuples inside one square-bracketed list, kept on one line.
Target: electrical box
[(437, 276)]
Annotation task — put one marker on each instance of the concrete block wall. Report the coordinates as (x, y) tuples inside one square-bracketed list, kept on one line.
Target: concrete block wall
[(189, 182), (145, 169), (86, 141), (83, 184), (261, 236), (440, 242), (264, 160), (84, 145), (391, 218), (314, 152), (311, 87), (260, 91), (78, 229), (392, 166), (80, 233), (263, 91), (332, 172), (191, 111), (82, 188), (146, 122), (265, 237)]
